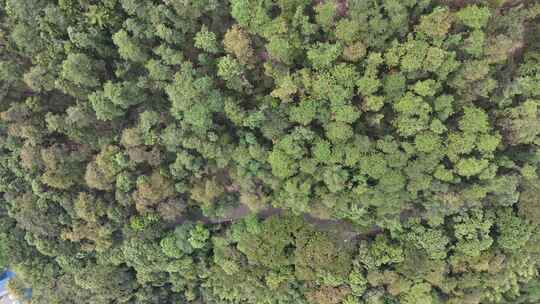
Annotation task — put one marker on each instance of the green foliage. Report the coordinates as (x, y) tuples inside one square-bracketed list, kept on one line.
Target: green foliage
[(472, 232), (514, 231), (348, 30), (101, 174), (115, 98), (426, 88), (381, 252), (474, 120), (81, 70), (325, 13), (305, 112), (198, 237), (270, 151), (471, 166), (269, 246), (62, 170), (316, 256), (158, 71), (231, 71), (436, 24), (433, 241), (129, 48), (206, 40), (281, 49), (187, 92), (475, 43), (4, 255), (323, 55), (338, 131), (474, 16), (520, 125)]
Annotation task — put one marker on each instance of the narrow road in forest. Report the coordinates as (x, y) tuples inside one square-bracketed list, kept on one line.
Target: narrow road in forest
[(344, 228)]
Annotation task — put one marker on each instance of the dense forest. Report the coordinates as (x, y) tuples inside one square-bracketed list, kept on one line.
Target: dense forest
[(271, 151)]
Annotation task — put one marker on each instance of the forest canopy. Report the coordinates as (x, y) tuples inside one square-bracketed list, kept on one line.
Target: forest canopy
[(271, 151)]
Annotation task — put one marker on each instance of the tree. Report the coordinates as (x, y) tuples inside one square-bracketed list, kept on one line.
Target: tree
[(474, 16), (436, 24), (354, 52), (115, 98), (381, 251), (101, 174), (151, 190), (268, 247), (317, 257), (520, 124), (185, 93), (474, 120), (348, 30), (472, 232), (62, 170), (237, 42), (206, 40), (81, 70), (129, 48), (471, 166), (198, 236), (513, 231), (232, 72)]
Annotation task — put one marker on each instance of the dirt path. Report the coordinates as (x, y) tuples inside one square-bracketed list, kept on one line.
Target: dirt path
[(343, 228)]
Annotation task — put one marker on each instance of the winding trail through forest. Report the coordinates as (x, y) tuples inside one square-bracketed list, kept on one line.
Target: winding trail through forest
[(345, 229)]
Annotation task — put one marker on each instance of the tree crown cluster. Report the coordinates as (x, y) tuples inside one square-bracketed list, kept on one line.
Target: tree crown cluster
[(271, 151)]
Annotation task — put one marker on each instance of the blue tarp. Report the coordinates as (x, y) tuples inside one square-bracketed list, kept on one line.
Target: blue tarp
[(5, 276), (4, 279)]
